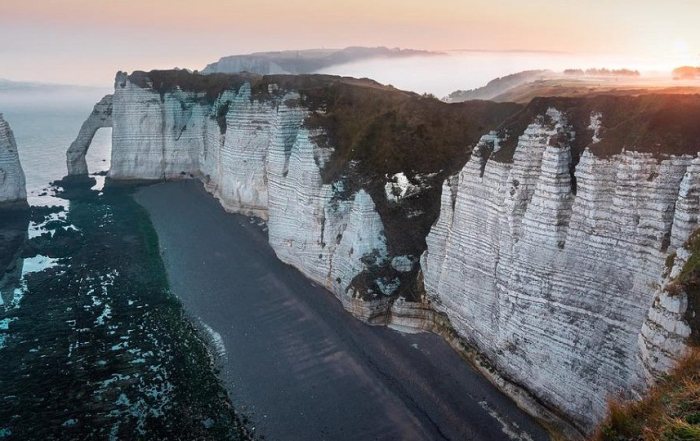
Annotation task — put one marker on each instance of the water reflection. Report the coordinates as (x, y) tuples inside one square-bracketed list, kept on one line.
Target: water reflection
[(13, 235)]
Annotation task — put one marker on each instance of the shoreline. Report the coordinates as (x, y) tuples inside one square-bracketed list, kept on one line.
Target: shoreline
[(295, 362), (85, 288)]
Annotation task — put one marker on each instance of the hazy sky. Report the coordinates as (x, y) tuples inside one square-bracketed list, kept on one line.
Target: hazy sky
[(87, 41)]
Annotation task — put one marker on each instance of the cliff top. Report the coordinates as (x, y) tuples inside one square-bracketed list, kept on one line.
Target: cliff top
[(659, 124), (389, 130), (213, 85)]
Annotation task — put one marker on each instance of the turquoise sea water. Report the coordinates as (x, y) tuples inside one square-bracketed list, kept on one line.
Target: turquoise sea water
[(92, 343), (45, 124)]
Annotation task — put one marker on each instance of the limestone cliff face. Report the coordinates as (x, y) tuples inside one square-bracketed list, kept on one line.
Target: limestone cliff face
[(257, 157), (12, 182), (285, 149), (547, 251), (554, 275)]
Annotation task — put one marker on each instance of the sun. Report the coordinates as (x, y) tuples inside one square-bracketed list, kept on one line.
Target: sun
[(681, 48)]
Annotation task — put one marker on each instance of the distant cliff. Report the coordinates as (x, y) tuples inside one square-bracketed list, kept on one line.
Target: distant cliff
[(522, 87), (12, 181), (538, 236), (305, 61), (499, 86)]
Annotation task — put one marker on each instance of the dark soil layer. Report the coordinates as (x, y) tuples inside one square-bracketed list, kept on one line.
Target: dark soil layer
[(96, 347), (662, 125), (211, 86)]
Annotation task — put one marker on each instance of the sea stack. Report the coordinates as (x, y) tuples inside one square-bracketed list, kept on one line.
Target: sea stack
[(12, 182)]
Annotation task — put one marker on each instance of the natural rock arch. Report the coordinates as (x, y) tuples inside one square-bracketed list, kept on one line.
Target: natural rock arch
[(100, 117)]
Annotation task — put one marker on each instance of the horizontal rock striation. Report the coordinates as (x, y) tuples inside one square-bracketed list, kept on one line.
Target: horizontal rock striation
[(300, 153), (12, 181), (538, 236), (550, 246)]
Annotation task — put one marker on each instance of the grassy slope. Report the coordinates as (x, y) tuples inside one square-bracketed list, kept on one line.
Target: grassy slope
[(658, 124), (577, 88), (671, 410)]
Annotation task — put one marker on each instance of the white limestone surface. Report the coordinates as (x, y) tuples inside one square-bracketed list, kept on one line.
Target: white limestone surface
[(12, 181), (257, 158), (101, 116), (554, 287)]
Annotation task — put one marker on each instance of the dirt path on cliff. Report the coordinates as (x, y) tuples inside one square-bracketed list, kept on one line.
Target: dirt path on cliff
[(294, 361)]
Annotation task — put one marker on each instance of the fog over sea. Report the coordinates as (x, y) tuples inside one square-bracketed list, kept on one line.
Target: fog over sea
[(463, 70)]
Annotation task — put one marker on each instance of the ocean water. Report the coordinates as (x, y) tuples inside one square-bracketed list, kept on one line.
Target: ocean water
[(45, 123), (93, 343)]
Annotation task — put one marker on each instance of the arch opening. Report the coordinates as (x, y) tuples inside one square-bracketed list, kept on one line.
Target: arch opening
[(101, 117)]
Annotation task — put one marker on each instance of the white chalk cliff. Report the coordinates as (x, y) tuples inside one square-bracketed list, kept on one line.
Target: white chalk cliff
[(12, 181), (560, 290), (258, 159), (551, 263)]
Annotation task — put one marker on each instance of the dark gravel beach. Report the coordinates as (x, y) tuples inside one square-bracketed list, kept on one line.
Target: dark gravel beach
[(294, 361)]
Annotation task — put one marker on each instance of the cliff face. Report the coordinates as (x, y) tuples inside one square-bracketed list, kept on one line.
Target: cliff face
[(12, 181), (546, 248), (549, 252), (310, 154)]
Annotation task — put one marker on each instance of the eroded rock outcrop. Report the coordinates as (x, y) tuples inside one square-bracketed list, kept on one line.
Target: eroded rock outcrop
[(100, 117), (12, 181)]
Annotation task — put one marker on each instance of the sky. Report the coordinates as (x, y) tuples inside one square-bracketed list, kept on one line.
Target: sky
[(87, 41)]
